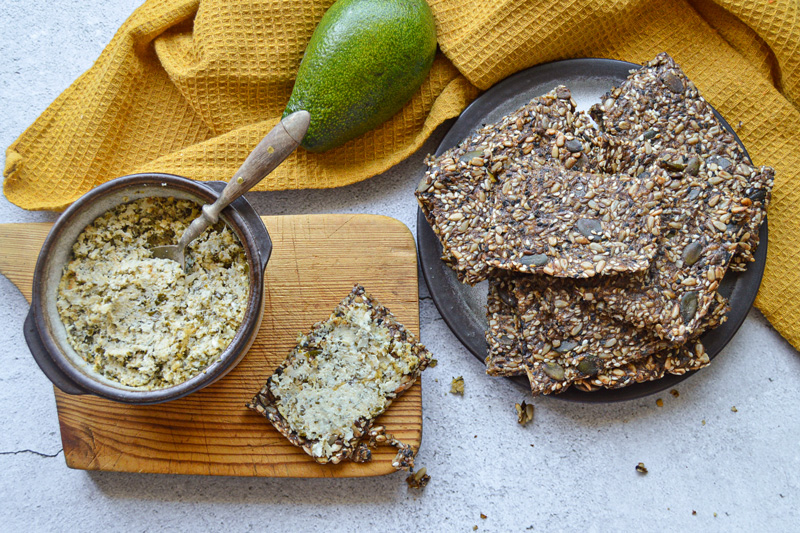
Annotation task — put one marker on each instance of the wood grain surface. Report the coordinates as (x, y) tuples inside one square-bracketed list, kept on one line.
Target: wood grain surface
[(314, 264)]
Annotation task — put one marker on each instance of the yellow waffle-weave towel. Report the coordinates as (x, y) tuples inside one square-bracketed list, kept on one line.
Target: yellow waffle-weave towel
[(190, 86)]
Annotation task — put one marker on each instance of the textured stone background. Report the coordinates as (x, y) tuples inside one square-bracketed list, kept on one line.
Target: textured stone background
[(572, 469)]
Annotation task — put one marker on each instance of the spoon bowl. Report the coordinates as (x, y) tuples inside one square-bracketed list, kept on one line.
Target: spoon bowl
[(276, 146)]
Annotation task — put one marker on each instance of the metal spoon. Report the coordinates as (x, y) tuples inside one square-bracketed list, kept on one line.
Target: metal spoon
[(270, 152)]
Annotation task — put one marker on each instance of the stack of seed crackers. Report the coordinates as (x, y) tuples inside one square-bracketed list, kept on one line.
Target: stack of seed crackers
[(604, 236)]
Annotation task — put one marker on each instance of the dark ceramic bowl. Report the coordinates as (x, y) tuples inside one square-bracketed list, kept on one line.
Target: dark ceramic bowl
[(45, 333)]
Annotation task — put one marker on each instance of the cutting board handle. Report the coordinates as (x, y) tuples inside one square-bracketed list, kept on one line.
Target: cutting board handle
[(43, 359), (20, 245)]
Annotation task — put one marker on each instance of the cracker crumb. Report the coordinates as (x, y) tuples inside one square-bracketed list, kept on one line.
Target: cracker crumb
[(660, 402), (418, 479), (734, 409), (524, 413), (457, 386), (641, 468), (675, 393), (483, 516)]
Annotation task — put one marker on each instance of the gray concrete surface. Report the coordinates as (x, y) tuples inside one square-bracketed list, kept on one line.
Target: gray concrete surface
[(710, 468)]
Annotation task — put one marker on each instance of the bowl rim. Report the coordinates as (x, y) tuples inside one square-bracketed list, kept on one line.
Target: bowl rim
[(240, 217)]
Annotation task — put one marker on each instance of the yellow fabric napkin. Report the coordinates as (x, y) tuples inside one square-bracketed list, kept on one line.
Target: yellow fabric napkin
[(190, 87)]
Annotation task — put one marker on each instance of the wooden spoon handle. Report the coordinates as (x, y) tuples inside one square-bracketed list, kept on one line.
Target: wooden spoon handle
[(284, 138)]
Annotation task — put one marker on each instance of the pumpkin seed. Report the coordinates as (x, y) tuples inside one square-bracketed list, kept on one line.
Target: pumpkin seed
[(424, 185), (692, 253), (505, 339), (507, 298), (673, 82), (554, 371), (590, 228), (566, 346), (675, 166), (563, 93), (469, 156), (535, 260), (589, 366), (758, 195), (693, 166), (720, 161), (574, 145), (688, 306)]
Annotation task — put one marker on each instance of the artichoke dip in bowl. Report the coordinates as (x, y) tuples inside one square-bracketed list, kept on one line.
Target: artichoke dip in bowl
[(107, 318)]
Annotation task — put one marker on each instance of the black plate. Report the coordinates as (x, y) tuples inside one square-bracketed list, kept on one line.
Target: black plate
[(464, 308)]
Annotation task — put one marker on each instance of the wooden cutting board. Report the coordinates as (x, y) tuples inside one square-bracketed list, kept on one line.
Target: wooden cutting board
[(315, 262)]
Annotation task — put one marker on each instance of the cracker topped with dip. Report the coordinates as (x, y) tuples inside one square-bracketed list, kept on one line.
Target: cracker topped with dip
[(328, 392), (143, 322)]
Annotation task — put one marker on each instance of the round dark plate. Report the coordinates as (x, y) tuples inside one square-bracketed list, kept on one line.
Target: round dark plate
[(464, 308)]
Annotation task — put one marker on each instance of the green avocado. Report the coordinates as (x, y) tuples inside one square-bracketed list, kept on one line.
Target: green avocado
[(365, 60)]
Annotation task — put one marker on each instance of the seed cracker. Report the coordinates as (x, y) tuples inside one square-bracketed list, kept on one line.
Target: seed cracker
[(563, 343), (712, 200), (571, 224), (458, 190), (502, 336), (340, 377), (676, 360), (566, 339), (507, 357), (659, 107)]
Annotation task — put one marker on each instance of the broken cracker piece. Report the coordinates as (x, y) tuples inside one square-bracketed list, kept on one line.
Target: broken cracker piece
[(563, 223), (456, 193), (457, 386), (713, 204), (502, 335), (567, 338), (524, 412), (340, 377), (658, 107), (418, 479), (676, 360), (612, 355)]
